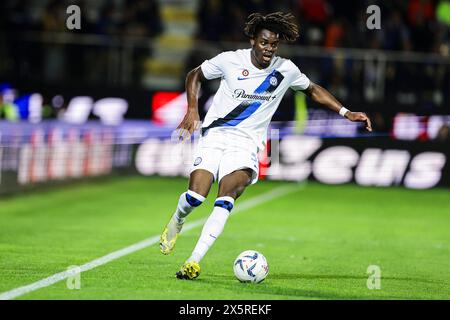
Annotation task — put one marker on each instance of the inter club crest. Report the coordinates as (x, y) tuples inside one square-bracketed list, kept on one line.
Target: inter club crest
[(197, 161), (273, 81)]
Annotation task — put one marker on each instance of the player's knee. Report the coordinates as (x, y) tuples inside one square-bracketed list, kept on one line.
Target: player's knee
[(200, 190), (200, 182), (234, 192)]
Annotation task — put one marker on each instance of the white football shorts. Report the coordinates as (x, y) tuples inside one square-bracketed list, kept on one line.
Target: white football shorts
[(224, 150)]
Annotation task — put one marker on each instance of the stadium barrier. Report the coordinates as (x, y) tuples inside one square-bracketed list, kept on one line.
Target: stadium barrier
[(53, 152), (378, 161)]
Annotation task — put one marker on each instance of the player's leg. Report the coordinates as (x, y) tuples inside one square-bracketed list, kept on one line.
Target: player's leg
[(233, 184), (200, 182), (231, 187), (203, 173)]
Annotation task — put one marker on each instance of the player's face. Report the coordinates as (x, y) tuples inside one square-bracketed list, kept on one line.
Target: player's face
[(264, 47)]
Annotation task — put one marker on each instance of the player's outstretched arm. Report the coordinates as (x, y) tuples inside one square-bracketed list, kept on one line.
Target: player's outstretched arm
[(191, 120), (323, 97)]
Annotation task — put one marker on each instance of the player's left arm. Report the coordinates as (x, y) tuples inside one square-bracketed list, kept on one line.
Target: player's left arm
[(322, 96)]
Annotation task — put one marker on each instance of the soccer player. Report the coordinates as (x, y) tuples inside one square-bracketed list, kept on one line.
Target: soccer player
[(253, 82)]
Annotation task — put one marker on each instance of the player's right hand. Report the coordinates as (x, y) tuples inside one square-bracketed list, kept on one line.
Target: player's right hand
[(189, 124)]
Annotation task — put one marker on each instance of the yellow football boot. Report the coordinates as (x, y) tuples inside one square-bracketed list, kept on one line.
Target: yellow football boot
[(189, 270), (169, 236)]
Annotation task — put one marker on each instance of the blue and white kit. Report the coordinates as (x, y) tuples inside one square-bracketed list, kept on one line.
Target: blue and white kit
[(235, 127)]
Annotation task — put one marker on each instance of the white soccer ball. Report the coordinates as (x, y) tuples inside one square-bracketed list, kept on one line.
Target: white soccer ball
[(251, 266)]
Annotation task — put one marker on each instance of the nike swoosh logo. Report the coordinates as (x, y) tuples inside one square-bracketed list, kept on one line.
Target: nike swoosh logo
[(239, 78)]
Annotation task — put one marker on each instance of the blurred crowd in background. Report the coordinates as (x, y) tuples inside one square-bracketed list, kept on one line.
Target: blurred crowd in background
[(417, 25), (385, 83), (123, 17), (414, 25), (34, 60)]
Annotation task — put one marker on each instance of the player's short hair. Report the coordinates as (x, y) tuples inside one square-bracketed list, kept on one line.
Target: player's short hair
[(282, 23)]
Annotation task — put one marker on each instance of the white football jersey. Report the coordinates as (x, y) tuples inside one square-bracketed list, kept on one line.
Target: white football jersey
[(248, 97)]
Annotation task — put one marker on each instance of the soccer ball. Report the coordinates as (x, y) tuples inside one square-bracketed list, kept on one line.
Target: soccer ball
[(251, 266)]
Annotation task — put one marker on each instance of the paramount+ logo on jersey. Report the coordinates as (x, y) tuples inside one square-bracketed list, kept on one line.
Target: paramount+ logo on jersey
[(240, 94)]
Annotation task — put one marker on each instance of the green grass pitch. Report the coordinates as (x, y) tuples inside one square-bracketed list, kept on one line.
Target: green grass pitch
[(319, 241)]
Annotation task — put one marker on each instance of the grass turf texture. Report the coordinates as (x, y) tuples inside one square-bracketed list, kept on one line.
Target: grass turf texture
[(319, 241)]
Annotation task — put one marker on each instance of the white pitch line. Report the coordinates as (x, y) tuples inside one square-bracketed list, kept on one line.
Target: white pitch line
[(247, 204)]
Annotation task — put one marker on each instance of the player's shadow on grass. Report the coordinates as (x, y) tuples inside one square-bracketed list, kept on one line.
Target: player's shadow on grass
[(297, 276), (268, 288), (290, 276)]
